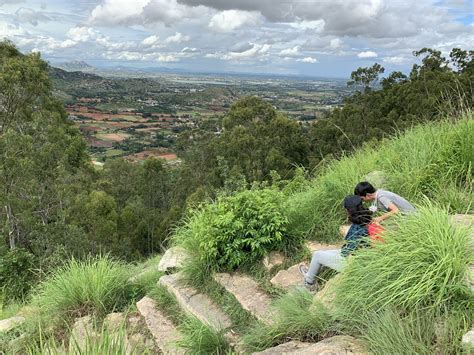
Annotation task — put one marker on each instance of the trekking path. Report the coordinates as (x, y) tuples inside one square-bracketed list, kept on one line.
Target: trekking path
[(336, 345), (164, 332), (291, 277), (249, 295), (195, 303)]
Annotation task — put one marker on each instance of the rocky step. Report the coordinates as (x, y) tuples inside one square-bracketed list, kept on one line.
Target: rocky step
[(291, 277), (195, 303), (336, 345), (249, 295), (172, 259), (162, 329)]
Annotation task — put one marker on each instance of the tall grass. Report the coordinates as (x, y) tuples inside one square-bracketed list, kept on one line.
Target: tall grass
[(433, 160), (94, 286), (202, 339), (419, 273), (297, 318)]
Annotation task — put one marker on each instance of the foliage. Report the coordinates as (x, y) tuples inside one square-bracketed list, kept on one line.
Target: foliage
[(201, 339), (17, 274), (297, 318), (94, 286), (433, 160), (236, 229), (421, 267)]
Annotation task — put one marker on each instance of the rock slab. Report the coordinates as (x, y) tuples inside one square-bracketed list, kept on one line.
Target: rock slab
[(275, 258), (162, 329), (82, 333), (195, 303), (172, 259), (337, 345), (249, 295), (10, 323), (468, 340)]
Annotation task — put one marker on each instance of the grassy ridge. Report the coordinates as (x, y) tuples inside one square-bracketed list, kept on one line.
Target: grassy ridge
[(433, 160)]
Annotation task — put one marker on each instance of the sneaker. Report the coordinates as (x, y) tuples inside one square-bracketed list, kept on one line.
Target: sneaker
[(304, 271)]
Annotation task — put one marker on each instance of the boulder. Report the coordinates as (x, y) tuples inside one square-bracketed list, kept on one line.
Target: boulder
[(288, 278), (82, 334), (327, 293), (468, 341), (275, 258), (336, 345), (114, 321), (10, 323), (172, 259)]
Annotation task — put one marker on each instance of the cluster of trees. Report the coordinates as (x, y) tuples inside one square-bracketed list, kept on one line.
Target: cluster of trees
[(54, 203)]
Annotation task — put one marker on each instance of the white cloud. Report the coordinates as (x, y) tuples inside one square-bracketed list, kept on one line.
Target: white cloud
[(316, 25), (229, 20), (310, 60), (397, 60), (290, 52), (177, 38), (9, 30), (336, 43), (167, 58), (117, 11), (367, 54), (257, 51), (151, 40), (82, 33)]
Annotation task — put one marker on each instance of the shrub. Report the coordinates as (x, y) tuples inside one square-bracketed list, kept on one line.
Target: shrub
[(433, 160), (236, 230), (17, 274), (94, 286)]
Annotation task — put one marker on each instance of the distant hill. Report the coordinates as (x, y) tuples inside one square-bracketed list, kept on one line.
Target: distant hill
[(76, 65)]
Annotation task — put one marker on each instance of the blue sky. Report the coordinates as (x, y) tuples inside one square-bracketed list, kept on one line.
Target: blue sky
[(319, 38)]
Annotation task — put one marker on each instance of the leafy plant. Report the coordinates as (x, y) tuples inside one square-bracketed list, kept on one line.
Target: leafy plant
[(17, 274)]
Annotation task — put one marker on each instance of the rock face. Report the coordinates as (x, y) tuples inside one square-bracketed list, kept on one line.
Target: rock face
[(172, 259), (82, 334), (198, 304), (337, 345), (326, 295), (162, 329), (377, 178), (114, 321), (468, 341), (275, 258), (249, 295), (10, 323)]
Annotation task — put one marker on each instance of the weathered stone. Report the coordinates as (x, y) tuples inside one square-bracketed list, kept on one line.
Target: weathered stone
[(377, 178), (337, 345), (275, 258), (468, 341), (249, 295), (10, 323), (327, 293), (288, 278), (114, 321), (162, 329), (139, 344), (172, 259), (82, 334), (198, 304), (134, 323)]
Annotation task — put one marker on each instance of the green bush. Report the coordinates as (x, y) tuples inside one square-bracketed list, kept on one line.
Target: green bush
[(17, 274), (433, 160), (421, 267), (235, 230), (94, 286)]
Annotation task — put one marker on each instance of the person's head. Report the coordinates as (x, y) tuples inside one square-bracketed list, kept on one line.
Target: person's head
[(365, 190), (356, 211)]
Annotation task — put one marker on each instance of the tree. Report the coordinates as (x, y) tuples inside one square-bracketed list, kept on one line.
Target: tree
[(366, 77)]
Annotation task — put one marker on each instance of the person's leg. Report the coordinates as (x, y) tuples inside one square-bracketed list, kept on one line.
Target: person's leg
[(330, 258)]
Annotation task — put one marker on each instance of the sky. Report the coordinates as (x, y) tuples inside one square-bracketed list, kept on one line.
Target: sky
[(328, 38)]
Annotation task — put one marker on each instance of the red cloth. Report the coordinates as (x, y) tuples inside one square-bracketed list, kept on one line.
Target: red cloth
[(375, 231)]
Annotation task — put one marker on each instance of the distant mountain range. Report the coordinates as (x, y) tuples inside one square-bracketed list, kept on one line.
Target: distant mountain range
[(76, 65)]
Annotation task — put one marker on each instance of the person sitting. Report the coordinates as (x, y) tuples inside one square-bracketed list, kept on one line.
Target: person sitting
[(389, 202), (354, 236)]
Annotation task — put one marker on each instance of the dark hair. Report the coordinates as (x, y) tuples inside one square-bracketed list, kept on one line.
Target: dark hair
[(356, 211), (363, 188)]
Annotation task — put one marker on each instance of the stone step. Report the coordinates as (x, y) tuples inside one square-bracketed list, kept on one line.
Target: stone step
[(249, 295), (336, 345), (172, 259), (195, 303), (291, 277), (162, 329)]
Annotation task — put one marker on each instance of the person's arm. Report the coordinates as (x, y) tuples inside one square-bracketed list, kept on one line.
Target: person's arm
[(392, 210)]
